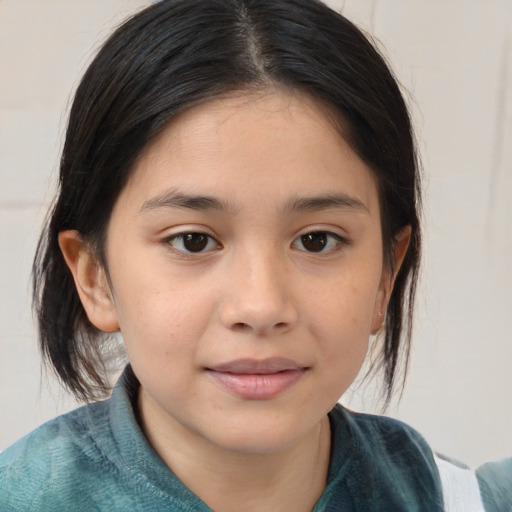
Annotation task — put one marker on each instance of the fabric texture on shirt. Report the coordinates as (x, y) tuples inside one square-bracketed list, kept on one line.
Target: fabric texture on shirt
[(96, 458)]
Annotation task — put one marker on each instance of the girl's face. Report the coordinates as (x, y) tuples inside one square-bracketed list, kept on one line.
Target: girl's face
[(245, 259)]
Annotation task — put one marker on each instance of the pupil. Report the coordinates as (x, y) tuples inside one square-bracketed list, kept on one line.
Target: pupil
[(195, 242), (314, 242)]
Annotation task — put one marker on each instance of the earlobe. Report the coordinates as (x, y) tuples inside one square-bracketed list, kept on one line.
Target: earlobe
[(388, 279), (90, 281), (378, 320)]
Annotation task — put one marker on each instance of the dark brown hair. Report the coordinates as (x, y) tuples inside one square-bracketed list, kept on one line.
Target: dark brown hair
[(177, 54)]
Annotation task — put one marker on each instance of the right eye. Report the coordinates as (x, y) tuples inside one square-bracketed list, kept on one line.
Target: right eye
[(193, 242)]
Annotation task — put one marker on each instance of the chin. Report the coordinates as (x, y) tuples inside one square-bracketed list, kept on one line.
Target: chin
[(262, 439)]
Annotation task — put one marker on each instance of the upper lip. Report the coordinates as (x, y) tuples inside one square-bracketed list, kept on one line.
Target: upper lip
[(257, 367)]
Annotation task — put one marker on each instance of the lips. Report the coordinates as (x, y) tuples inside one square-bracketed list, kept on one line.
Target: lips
[(257, 379)]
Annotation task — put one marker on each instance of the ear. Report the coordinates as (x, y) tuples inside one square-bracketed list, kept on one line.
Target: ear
[(90, 281), (388, 278)]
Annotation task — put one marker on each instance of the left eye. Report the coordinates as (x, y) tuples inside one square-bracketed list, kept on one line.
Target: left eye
[(318, 241), (193, 242)]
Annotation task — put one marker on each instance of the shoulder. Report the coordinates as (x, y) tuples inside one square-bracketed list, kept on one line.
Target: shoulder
[(63, 436), (391, 464), (48, 460), (495, 481), (385, 434)]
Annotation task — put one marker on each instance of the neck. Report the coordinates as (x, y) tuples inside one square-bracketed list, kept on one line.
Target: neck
[(228, 481)]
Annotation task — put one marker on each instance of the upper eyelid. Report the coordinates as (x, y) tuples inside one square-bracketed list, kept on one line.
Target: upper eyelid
[(200, 230), (189, 232), (327, 231), (303, 232), (184, 233)]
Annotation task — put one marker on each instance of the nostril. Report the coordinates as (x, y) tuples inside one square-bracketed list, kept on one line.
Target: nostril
[(240, 326)]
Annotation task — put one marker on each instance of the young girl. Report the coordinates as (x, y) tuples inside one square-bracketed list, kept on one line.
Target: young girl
[(239, 199)]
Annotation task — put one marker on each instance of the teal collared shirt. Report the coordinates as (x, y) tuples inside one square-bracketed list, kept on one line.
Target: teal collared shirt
[(97, 459)]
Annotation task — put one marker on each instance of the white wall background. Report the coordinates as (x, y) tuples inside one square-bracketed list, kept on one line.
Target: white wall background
[(455, 59)]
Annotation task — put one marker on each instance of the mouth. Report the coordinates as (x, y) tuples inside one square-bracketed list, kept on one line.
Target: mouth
[(257, 379)]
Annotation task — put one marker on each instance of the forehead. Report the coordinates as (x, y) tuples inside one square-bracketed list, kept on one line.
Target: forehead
[(272, 146)]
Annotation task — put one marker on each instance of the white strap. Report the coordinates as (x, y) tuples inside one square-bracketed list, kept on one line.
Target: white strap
[(461, 492)]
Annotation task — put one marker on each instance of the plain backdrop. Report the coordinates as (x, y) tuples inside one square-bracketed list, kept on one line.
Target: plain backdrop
[(454, 60)]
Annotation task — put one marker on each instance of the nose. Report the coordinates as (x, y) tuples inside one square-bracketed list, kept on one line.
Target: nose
[(258, 296)]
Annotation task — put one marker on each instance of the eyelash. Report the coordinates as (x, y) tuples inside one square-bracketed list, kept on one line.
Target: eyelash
[(333, 242)]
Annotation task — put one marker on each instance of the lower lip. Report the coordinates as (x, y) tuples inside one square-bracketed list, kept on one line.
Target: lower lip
[(257, 386)]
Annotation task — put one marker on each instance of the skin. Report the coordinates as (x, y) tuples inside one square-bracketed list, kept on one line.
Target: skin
[(255, 292)]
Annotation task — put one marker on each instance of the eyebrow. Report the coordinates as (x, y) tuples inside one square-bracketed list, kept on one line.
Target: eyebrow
[(174, 199), (325, 202), (198, 202)]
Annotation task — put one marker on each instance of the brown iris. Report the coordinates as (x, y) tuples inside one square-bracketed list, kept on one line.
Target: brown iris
[(195, 242), (314, 242)]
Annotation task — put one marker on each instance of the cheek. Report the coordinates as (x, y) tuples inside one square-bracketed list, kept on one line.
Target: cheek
[(159, 322), (342, 322), (345, 303)]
